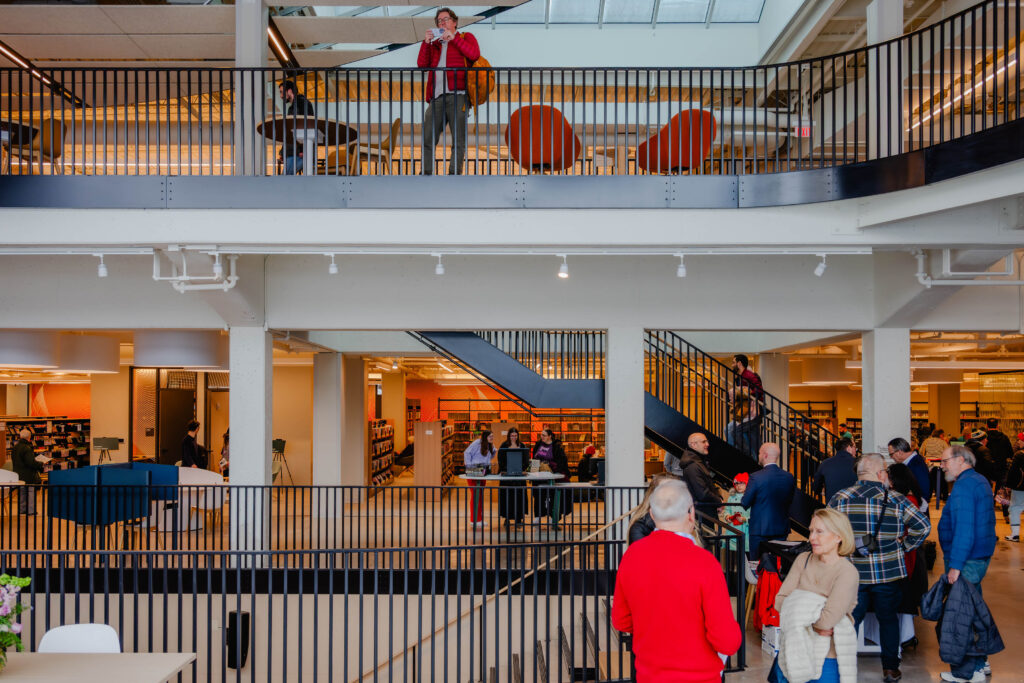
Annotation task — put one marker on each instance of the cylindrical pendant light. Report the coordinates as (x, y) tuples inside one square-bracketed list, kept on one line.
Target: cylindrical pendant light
[(89, 353), (828, 371), (28, 349), (178, 349)]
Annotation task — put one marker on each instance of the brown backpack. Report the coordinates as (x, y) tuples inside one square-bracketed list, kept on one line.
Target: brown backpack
[(479, 84)]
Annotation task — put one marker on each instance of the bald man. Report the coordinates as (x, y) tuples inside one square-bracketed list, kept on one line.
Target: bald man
[(768, 497), (691, 468)]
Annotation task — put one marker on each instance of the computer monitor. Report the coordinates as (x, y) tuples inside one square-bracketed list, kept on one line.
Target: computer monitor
[(515, 459)]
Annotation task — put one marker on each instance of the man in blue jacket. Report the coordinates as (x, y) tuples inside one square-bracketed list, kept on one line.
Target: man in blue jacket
[(967, 534), (901, 452), (768, 497), (838, 472)]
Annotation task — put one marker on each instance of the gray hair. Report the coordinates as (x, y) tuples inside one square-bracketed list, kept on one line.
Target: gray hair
[(671, 501), (25, 433), (870, 463), (963, 452)]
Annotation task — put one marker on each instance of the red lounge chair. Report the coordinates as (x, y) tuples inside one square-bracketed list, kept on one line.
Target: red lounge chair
[(682, 143), (540, 139)]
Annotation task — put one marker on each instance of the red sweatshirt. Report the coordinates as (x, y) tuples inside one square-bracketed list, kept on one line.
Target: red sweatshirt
[(463, 50), (671, 595)]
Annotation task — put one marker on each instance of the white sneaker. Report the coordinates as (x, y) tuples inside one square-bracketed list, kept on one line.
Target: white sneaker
[(1015, 538), (978, 677)]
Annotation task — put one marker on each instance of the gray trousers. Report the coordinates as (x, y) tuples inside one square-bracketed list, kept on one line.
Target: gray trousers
[(450, 109)]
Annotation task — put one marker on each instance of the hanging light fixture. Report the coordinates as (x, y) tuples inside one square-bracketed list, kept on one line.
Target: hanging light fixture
[(332, 269), (819, 269), (89, 353), (178, 349), (439, 268), (101, 270), (681, 268), (563, 270), (29, 349)]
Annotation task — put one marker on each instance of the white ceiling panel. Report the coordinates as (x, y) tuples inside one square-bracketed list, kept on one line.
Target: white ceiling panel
[(41, 47), (47, 19), (328, 58), (188, 46), (187, 19)]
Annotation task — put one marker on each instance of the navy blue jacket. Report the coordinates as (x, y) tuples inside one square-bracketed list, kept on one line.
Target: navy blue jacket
[(768, 497), (966, 627), (835, 474), (967, 530), (919, 468)]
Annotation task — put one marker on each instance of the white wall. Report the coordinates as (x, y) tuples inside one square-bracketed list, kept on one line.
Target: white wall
[(293, 419), (109, 411)]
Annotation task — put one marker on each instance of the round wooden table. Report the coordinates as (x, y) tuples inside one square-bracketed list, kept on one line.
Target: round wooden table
[(308, 131)]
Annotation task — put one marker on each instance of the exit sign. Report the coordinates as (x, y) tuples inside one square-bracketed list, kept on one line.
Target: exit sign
[(802, 131)]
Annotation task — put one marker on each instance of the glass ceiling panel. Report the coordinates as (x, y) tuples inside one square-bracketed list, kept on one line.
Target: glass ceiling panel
[(628, 11), (683, 11), (738, 11), (528, 13), (574, 11)]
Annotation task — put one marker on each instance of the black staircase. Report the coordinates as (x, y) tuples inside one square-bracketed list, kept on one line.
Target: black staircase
[(688, 390)]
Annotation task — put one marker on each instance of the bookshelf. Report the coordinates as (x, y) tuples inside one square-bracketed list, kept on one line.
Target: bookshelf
[(412, 416), (576, 428), (381, 451), (63, 439), (435, 454)]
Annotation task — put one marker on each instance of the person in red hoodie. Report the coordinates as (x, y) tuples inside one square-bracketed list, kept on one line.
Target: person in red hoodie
[(448, 103), (671, 595)]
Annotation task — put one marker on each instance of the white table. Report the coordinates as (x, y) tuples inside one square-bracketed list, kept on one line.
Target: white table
[(530, 476), (95, 668), (309, 138)]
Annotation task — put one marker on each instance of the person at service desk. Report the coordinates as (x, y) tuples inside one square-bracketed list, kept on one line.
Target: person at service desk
[(511, 494), (446, 93), (549, 452), (25, 465), (818, 596), (478, 454)]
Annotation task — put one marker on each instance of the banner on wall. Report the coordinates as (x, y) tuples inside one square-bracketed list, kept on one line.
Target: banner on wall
[(71, 400)]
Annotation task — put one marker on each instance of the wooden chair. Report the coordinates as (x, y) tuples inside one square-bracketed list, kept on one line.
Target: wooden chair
[(46, 147), (382, 151), (681, 144), (540, 139), (341, 160)]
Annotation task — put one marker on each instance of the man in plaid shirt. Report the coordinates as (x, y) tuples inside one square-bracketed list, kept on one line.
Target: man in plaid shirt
[(900, 527)]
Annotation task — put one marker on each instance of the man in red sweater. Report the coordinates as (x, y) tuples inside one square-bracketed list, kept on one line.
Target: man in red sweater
[(671, 595), (446, 90)]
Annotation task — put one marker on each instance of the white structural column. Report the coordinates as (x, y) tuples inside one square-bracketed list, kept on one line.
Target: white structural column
[(774, 371), (250, 416), (885, 377), (884, 22), (624, 407), (327, 431), (354, 469), (250, 52)]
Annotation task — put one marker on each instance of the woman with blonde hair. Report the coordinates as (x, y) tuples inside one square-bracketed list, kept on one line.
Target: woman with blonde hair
[(640, 523), (818, 641)]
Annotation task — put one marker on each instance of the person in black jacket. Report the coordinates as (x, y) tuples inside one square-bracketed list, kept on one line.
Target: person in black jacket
[(296, 104), (1015, 484), (549, 451), (25, 465), (192, 454), (838, 472), (1000, 448), (978, 444), (691, 467), (511, 494)]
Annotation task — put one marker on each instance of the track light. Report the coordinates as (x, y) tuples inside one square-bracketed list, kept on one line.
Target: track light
[(218, 267), (563, 270), (819, 270), (394, 365), (439, 268), (102, 271), (332, 269), (681, 268)]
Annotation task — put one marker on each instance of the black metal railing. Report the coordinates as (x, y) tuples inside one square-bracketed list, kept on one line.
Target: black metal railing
[(496, 612), (709, 392), (553, 354), (955, 77), (225, 517)]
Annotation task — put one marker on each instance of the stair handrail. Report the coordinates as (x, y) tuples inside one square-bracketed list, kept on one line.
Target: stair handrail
[(808, 455), (553, 354)]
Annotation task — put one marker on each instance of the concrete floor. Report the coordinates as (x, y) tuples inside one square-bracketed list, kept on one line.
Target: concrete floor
[(1004, 591)]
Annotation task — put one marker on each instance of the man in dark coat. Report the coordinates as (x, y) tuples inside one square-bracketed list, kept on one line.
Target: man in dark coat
[(901, 451), (838, 472), (768, 497), (25, 465), (295, 104), (978, 444), (691, 468), (1000, 448)]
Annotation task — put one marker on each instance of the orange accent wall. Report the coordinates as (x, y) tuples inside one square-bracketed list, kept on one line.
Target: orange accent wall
[(429, 392), (72, 400)]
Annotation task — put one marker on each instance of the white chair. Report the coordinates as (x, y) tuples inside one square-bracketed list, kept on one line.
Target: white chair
[(91, 638)]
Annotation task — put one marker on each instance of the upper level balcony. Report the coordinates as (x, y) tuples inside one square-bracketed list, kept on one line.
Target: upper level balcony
[(933, 104)]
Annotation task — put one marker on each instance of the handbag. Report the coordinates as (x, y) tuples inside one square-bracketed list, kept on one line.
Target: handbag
[(868, 543)]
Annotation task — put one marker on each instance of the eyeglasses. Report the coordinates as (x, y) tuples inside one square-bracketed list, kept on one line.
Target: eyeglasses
[(942, 460), (444, 20)]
